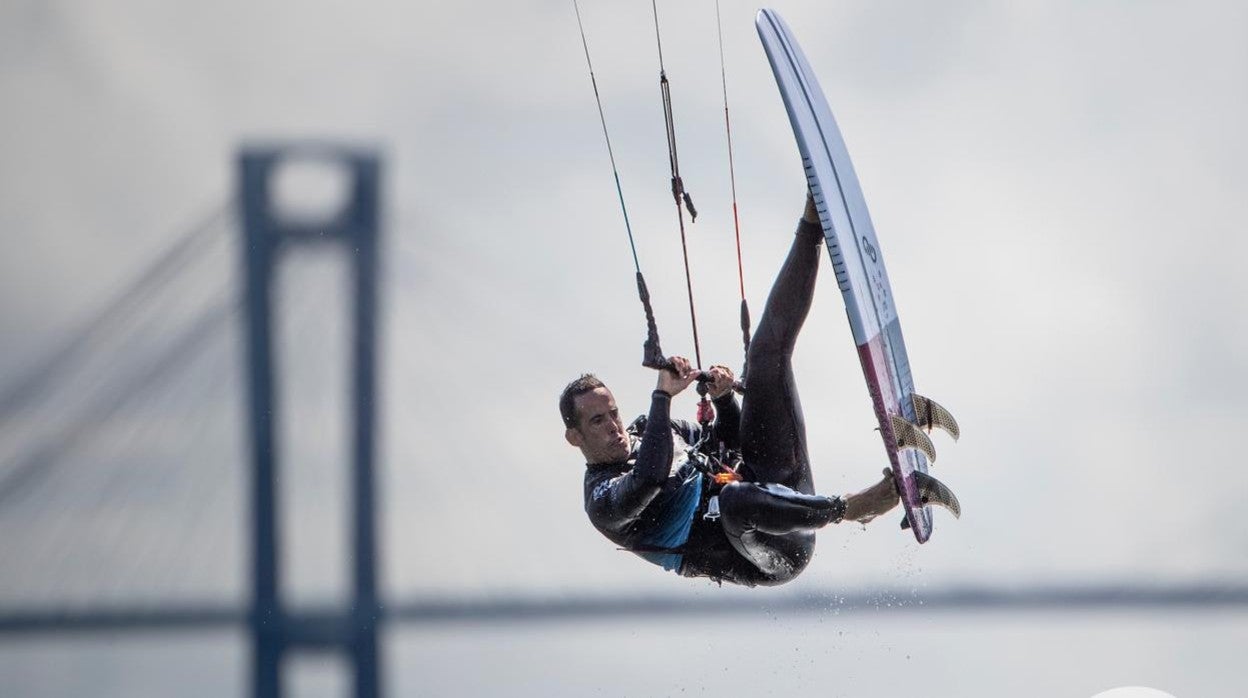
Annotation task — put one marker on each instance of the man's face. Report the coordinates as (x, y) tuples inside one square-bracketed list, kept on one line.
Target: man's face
[(599, 433)]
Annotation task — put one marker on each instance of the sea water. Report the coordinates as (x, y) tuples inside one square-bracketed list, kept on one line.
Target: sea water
[(862, 653)]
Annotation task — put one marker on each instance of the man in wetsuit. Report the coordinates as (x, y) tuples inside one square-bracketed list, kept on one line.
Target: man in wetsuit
[(644, 491)]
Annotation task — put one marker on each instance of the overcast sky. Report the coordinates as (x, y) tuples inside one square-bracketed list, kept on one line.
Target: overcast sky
[(1057, 187)]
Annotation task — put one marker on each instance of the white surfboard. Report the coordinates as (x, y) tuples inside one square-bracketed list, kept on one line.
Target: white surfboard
[(856, 256)]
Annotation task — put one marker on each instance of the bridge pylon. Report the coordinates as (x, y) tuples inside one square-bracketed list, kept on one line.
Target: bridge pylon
[(275, 628)]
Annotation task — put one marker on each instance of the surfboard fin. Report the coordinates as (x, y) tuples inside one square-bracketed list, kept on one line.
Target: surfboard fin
[(911, 436), (933, 491), (930, 414)]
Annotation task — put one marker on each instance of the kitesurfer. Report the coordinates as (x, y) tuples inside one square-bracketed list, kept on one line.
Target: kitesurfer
[(649, 492)]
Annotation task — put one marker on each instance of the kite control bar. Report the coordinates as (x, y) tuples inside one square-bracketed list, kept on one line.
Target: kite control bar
[(662, 363)]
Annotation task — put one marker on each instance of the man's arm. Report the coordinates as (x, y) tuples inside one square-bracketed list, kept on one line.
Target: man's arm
[(727, 412), (617, 502)]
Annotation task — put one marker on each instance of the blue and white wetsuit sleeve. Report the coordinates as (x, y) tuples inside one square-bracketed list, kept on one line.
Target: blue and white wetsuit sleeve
[(618, 502)]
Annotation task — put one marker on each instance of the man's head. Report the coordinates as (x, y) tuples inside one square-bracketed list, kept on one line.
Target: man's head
[(592, 421)]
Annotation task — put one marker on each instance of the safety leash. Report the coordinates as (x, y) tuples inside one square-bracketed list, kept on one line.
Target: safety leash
[(678, 186), (706, 412), (732, 178)]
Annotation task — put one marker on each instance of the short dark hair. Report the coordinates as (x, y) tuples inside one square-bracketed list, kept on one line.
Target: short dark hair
[(575, 389)]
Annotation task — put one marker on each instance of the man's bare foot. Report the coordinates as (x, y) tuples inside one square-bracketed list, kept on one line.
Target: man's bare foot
[(877, 499)]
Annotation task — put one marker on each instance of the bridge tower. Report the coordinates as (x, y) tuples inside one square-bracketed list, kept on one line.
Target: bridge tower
[(276, 629)]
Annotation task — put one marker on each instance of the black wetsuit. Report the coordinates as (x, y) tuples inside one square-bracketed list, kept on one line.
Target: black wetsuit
[(654, 503)]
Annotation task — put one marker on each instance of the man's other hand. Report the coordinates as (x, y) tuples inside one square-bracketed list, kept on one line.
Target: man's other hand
[(721, 381)]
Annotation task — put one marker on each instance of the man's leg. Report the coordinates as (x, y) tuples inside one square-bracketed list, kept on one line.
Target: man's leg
[(770, 519), (773, 527), (773, 431)]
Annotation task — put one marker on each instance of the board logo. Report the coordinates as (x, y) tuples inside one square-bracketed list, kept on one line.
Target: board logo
[(866, 245)]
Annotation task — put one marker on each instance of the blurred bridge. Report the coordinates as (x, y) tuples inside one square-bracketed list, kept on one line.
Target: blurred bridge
[(130, 465)]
